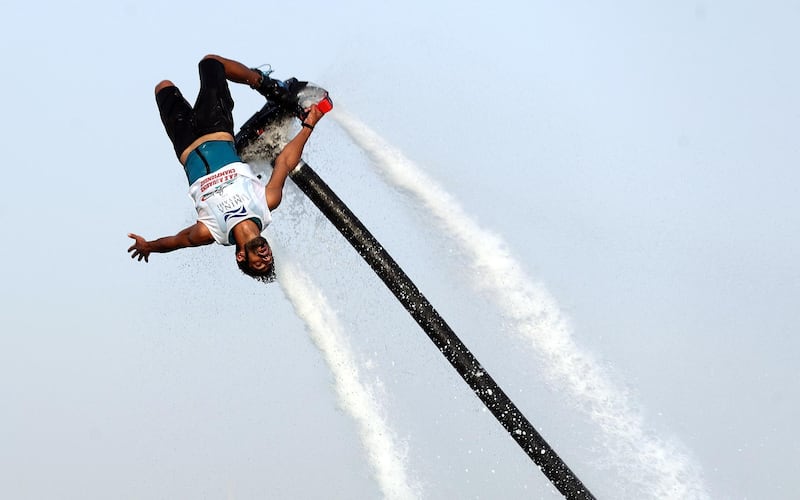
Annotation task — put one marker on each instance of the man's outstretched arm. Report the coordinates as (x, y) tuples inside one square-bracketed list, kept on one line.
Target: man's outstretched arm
[(289, 158), (193, 236)]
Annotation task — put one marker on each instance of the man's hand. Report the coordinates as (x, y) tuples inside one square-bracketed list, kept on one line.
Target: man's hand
[(314, 115), (195, 235), (141, 248)]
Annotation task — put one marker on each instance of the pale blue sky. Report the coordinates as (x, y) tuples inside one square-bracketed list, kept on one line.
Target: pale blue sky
[(640, 159)]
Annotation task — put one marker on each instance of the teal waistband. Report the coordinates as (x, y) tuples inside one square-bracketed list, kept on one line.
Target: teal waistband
[(208, 158)]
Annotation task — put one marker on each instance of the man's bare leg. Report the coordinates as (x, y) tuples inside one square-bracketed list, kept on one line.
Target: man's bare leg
[(238, 72)]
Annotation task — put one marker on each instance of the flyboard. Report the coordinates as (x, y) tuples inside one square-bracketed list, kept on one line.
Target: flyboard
[(260, 140), (262, 137)]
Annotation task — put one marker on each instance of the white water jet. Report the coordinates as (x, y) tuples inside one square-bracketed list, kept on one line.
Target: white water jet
[(658, 467), (355, 397)]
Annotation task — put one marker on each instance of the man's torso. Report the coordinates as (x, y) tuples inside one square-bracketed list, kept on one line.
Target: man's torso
[(227, 197)]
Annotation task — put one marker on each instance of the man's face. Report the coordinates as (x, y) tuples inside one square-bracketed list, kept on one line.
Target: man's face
[(258, 254)]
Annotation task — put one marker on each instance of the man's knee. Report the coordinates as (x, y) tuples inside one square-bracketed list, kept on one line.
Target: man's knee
[(163, 84)]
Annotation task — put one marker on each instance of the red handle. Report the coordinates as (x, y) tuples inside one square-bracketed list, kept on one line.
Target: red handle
[(325, 105)]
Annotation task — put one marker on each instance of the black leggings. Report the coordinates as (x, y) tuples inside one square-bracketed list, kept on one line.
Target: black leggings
[(212, 112)]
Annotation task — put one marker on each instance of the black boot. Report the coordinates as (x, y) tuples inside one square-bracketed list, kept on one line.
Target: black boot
[(273, 90)]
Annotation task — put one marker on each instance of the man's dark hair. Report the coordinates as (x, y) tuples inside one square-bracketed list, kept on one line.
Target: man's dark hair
[(265, 276)]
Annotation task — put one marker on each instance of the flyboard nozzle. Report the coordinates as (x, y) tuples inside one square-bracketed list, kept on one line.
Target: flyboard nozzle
[(325, 104), (314, 94)]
